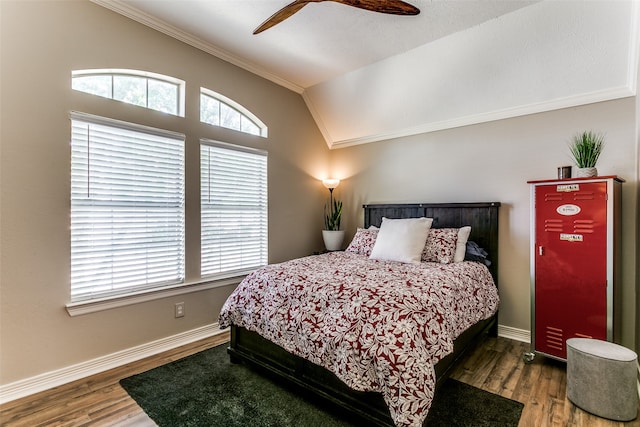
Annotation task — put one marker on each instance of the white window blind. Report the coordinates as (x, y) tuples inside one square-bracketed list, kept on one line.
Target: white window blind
[(127, 208), (233, 186)]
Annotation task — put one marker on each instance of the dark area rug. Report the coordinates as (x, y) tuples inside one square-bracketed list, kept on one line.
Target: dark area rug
[(207, 390)]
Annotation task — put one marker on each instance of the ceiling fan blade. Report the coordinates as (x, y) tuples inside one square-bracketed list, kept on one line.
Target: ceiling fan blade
[(394, 7), (282, 14)]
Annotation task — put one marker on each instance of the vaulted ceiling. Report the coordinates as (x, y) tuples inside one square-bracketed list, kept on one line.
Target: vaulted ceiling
[(456, 61), (321, 41)]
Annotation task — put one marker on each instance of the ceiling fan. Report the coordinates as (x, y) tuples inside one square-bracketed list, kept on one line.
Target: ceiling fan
[(393, 7)]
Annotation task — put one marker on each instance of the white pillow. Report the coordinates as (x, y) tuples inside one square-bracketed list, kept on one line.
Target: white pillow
[(461, 244), (401, 239)]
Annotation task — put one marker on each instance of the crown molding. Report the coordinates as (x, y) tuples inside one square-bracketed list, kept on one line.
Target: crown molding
[(541, 107), (580, 99), (317, 117), (159, 25), (629, 88)]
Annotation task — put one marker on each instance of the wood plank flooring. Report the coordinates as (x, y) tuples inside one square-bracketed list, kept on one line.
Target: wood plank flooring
[(496, 365)]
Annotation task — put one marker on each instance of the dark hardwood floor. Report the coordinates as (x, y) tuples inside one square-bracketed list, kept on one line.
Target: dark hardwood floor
[(496, 365)]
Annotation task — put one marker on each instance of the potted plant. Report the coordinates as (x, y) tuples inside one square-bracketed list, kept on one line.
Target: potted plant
[(585, 148), (332, 234)]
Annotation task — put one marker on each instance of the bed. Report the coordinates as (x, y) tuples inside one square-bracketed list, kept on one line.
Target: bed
[(376, 371)]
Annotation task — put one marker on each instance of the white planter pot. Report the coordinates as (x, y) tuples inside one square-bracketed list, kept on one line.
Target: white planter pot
[(587, 172), (333, 239)]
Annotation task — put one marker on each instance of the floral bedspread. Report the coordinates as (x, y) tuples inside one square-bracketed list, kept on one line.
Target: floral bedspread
[(378, 325)]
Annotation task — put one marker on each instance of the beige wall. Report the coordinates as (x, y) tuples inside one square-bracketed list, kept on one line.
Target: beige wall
[(493, 162), (41, 43)]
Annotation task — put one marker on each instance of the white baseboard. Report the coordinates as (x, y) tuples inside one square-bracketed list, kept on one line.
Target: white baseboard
[(29, 386), (514, 333), (38, 383)]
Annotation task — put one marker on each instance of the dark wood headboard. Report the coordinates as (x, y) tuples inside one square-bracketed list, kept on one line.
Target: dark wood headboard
[(482, 217)]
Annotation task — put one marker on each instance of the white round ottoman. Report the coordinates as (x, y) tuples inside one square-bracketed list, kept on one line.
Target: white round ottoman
[(601, 378)]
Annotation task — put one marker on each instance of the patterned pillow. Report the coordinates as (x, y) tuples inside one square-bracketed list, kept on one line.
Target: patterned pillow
[(363, 241), (441, 245)]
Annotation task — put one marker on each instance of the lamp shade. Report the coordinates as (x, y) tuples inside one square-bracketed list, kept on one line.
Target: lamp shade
[(330, 183)]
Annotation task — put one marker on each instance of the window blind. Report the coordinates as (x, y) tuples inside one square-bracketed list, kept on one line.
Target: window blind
[(127, 208), (233, 186)]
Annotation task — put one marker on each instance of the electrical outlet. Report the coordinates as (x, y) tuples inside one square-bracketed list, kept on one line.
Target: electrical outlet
[(179, 309)]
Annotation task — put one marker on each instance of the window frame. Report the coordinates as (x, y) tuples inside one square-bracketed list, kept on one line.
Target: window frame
[(114, 72), (194, 281), (120, 203), (244, 112)]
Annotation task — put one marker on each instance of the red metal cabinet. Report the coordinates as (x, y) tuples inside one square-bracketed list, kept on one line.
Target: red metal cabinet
[(574, 261)]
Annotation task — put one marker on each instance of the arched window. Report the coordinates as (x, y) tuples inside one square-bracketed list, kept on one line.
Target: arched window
[(145, 89), (218, 110), (128, 194)]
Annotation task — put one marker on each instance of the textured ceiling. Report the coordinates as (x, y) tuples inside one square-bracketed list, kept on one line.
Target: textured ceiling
[(320, 42)]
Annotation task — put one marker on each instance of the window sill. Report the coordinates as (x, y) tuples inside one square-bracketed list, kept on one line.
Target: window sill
[(92, 306)]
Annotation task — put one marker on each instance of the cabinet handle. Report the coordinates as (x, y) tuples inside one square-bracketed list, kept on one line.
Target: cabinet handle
[(540, 250)]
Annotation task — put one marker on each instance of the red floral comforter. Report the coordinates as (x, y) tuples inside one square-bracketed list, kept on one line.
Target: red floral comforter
[(378, 325)]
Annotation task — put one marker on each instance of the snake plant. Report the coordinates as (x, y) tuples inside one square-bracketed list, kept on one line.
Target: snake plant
[(332, 219), (586, 147)]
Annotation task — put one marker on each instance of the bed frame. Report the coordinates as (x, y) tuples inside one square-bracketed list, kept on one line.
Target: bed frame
[(249, 347)]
